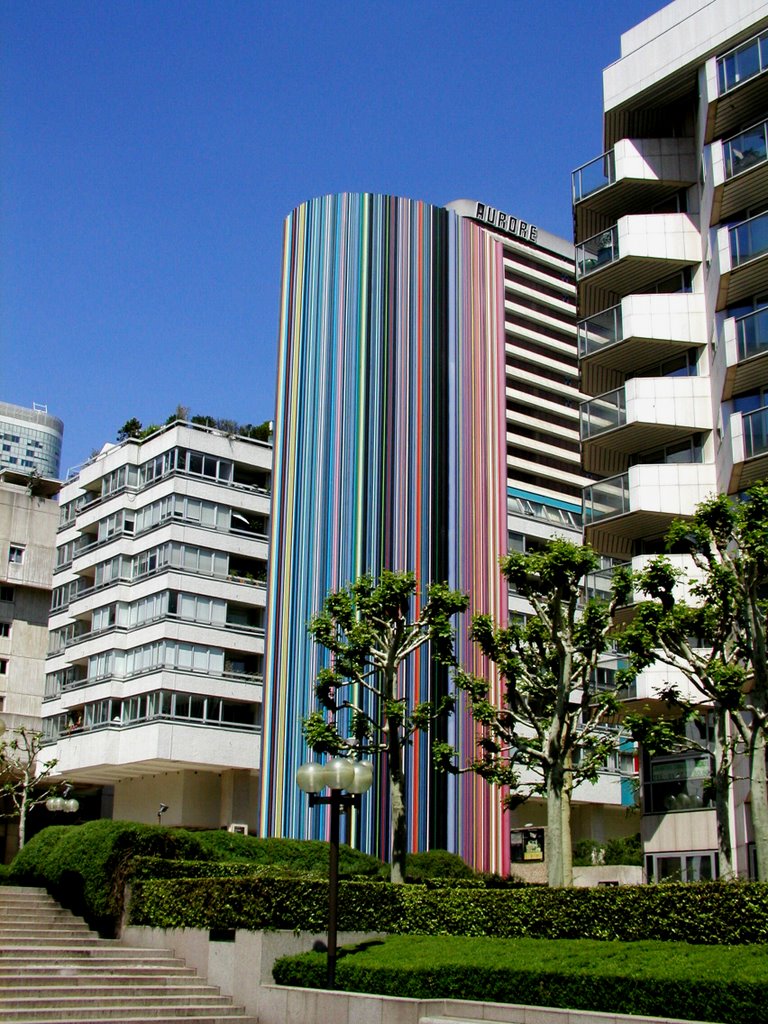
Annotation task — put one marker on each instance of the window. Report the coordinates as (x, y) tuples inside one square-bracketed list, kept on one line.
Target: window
[(681, 867), (3, 666), (15, 554), (5, 629), (6, 593)]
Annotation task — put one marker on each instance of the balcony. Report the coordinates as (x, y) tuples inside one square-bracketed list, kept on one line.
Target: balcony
[(646, 413), (742, 260), (738, 87), (739, 172), (635, 175), (641, 504), (632, 256), (746, 440), (642, 330), (113, 751), (745, 340)]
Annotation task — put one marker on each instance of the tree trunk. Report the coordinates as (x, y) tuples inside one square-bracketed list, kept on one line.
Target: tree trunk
[(23, 815), (723, 799), (556, 816), (399, 833), (759, 796), (567, 845)]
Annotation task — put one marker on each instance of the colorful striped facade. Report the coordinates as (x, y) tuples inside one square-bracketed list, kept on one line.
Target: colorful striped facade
[(391, 451)]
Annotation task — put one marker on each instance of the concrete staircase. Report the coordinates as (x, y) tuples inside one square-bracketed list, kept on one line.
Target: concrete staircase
[(53, 969)]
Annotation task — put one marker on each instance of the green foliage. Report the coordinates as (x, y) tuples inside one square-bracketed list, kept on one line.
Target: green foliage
[(296, 854), (623, 850), (436, 864), (708, 914), (369, 628), (644, 978), (549, 733), (84, 866)]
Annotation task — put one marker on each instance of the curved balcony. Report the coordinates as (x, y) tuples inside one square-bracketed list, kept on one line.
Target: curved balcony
[(631, 256), (742, 260), (641, 504), (739, 172), (745, 340), (737, 86), (646, 413), (640, 331), (635, 175), (746, 442)]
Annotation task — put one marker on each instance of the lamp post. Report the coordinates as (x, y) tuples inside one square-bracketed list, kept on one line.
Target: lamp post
[(338, 774), (63, 803)]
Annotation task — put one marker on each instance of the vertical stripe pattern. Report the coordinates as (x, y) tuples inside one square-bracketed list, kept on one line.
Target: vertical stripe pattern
[(389, 454)]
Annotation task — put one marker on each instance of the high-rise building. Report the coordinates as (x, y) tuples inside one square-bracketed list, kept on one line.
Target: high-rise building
[(154, 676), (30, 440), (672, 271), (29, 515), (427, 418)]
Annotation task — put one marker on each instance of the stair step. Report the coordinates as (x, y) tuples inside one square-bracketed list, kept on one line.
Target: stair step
[(136, 974), (106, 999), (100, 1018)]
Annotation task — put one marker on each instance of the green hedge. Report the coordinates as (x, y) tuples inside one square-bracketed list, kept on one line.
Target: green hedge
[(300, 855), (653, 979), (84, 866), (708, 913)]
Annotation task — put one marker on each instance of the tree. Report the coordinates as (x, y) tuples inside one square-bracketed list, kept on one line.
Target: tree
[(717, 640), (370, 628), (22, 774), (131, 428), (551, 731)]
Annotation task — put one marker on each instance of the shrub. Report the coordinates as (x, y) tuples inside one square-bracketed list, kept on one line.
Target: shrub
[(436, 864), (654, 979), (84, 866), (706, 914), (627, 850), (299, 854)]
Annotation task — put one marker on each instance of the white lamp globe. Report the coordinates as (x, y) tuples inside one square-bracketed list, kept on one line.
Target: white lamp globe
[(71, 805), (339, 773), (55, 803), (363, 777), (310, 777)]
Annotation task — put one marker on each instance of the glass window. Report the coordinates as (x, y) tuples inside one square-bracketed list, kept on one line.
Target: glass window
[(15, 554)]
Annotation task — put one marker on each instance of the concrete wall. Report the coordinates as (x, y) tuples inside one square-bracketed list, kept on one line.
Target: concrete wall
[(242, 969)]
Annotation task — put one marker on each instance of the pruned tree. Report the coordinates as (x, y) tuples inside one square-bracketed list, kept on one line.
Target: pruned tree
[(370, 628), (554, 727), (715, 639), (23, 775)]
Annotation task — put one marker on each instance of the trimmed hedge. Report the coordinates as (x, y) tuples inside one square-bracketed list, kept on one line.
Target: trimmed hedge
[(707, 913), (84, 866), (653, 979), (298, 854)]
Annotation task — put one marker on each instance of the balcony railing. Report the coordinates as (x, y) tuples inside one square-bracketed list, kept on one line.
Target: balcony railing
[(749, 239), (742, 63), (600, 331), (604, 413), (756, 432), (593, 176), (607, 498), (597, 252), (746, 150), (752, 333)]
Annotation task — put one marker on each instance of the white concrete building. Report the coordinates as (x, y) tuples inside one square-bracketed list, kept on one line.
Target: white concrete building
[(671, 234), (154, 674)]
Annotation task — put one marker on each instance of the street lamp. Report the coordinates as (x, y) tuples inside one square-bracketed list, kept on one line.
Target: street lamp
[(63, 803), (337, 774)]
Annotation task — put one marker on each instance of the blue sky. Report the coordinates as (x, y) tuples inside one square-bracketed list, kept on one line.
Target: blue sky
[(152, 148)]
